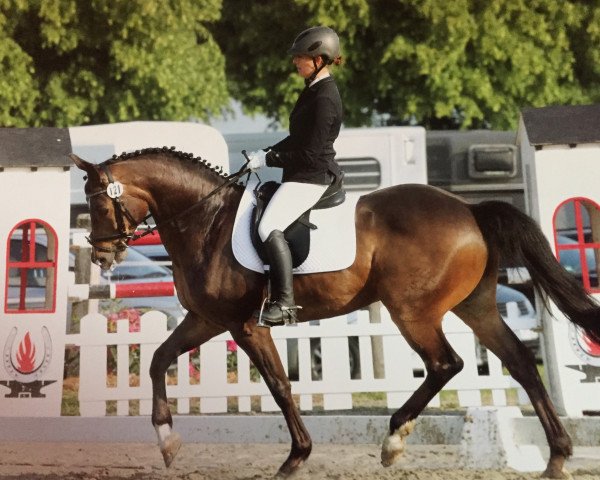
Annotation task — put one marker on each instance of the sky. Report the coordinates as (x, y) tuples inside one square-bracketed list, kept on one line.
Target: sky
[(241, 123)]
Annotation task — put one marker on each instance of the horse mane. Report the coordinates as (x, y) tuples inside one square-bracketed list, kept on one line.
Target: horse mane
[(171, 152)]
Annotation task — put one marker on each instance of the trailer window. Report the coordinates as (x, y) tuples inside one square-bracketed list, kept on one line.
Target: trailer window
[(361, 173), (577, 240), (31, 268)]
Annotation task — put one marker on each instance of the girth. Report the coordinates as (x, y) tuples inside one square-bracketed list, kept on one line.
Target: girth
[(298, 233)]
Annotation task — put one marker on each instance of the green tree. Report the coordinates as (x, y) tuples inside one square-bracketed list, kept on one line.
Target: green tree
[(438, 63), (70, 62)]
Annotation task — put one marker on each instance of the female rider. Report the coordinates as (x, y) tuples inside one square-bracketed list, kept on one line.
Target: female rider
[(306, 156)]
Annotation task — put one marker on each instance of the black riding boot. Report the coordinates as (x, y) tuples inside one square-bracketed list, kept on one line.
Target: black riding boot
[(281, 309)]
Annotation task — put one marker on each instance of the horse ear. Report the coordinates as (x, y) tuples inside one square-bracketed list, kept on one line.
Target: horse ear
[(82, 164)]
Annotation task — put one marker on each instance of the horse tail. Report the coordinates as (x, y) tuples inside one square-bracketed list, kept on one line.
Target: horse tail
[(519, 241)]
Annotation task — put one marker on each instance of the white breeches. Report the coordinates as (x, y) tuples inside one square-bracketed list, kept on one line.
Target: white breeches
[(290, 201)]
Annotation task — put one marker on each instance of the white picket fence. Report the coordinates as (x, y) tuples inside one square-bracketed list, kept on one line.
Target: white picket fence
[(216, 385)]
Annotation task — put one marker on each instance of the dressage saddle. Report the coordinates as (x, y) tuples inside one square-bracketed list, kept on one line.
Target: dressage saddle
[(298, 233)]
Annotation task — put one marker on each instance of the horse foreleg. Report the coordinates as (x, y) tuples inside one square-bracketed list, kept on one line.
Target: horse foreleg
[(260, 348), (191, 333), (520, 362), (441, 363)]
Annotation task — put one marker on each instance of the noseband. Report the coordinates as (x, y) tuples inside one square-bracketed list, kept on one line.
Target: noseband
[(114, 190)]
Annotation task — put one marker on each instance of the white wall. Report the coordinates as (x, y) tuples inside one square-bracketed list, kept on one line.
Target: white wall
[(41, 194), (97, 143), (557, 173)]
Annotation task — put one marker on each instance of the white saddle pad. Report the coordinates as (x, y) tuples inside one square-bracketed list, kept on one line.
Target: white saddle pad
[(332, 244)]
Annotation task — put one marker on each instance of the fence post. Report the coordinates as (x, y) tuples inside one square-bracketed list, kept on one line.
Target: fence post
[(83, 262), (153, 331), (377, 342), (92, 366), (335, 365)]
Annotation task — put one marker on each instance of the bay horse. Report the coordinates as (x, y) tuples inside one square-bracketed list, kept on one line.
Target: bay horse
[(420, 251)]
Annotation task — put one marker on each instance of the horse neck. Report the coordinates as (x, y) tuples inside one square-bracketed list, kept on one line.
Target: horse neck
[(171, 186)]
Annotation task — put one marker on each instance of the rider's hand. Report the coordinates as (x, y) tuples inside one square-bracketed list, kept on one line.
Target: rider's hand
[(257, 160)]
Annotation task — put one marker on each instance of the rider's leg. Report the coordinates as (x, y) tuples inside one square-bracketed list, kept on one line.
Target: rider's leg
[(282, 306), (290, 201)]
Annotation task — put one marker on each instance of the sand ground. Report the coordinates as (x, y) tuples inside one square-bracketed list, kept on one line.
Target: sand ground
[(134, 461)]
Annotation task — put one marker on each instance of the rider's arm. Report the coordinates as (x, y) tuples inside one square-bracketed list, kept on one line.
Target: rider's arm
[(315, 135)]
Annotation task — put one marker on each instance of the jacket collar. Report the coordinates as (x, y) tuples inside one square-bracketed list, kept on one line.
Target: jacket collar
[(316, 85)]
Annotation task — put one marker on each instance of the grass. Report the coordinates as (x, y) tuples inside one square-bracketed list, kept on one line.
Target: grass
[(363, 402), (70, 401)]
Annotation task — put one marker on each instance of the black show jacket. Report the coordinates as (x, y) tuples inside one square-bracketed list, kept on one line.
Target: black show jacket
[(306, 154)]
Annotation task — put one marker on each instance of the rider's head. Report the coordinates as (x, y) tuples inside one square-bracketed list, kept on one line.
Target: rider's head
[(319, 46)]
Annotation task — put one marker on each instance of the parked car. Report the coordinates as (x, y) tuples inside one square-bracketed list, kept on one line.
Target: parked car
[(518, 313), (138, 268), (156, 253), (522, 319)]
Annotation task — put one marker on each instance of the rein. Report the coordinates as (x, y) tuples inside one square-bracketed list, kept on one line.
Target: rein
[(115, 189), (228, 181)]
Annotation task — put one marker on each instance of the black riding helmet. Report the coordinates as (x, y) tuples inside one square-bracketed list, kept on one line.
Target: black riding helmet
[(317, 42)]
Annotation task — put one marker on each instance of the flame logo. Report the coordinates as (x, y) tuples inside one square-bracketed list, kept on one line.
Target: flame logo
[(584, 347), (23, 366), (587, 345), (26, 355)]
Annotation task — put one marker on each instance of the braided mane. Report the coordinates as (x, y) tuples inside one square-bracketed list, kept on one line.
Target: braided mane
[(189, 157)]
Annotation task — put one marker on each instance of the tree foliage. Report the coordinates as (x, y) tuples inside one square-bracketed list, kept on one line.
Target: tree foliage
[(438, 63), (70, 62)]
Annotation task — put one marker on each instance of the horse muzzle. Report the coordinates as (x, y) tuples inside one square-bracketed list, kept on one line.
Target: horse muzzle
[(105, 260)]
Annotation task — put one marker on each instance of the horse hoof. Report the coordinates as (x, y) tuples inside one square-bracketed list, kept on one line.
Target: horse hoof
[(169, 449), (393, 445), (558, 474), (392, 449)]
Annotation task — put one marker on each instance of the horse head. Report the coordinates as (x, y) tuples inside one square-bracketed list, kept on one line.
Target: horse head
[(114, 209)]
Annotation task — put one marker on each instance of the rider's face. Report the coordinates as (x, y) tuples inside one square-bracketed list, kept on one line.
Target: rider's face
[(304, 65)]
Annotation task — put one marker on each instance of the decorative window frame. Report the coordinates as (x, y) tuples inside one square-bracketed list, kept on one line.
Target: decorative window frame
[(581, 245), (52, 250)]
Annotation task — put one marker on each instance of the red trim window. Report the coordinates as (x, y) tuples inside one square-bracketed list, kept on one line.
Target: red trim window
[(577, 240), (31, 268)]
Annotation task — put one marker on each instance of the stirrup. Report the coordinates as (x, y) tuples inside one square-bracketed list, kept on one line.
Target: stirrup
[(288, 315)]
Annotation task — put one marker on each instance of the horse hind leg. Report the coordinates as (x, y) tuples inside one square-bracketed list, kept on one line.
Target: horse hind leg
[(191, 333), (481, 314), (441, 363)]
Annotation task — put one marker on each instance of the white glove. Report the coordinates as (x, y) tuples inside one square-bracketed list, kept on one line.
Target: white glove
[(257, 160)]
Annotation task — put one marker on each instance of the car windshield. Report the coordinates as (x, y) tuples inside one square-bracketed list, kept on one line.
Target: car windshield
[(137, 266), (152, 251)]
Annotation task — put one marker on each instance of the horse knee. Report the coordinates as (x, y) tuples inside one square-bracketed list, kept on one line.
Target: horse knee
[(159, 364), (445, 370)]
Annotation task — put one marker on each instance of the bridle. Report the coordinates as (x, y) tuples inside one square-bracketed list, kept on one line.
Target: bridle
[(114, 191)]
